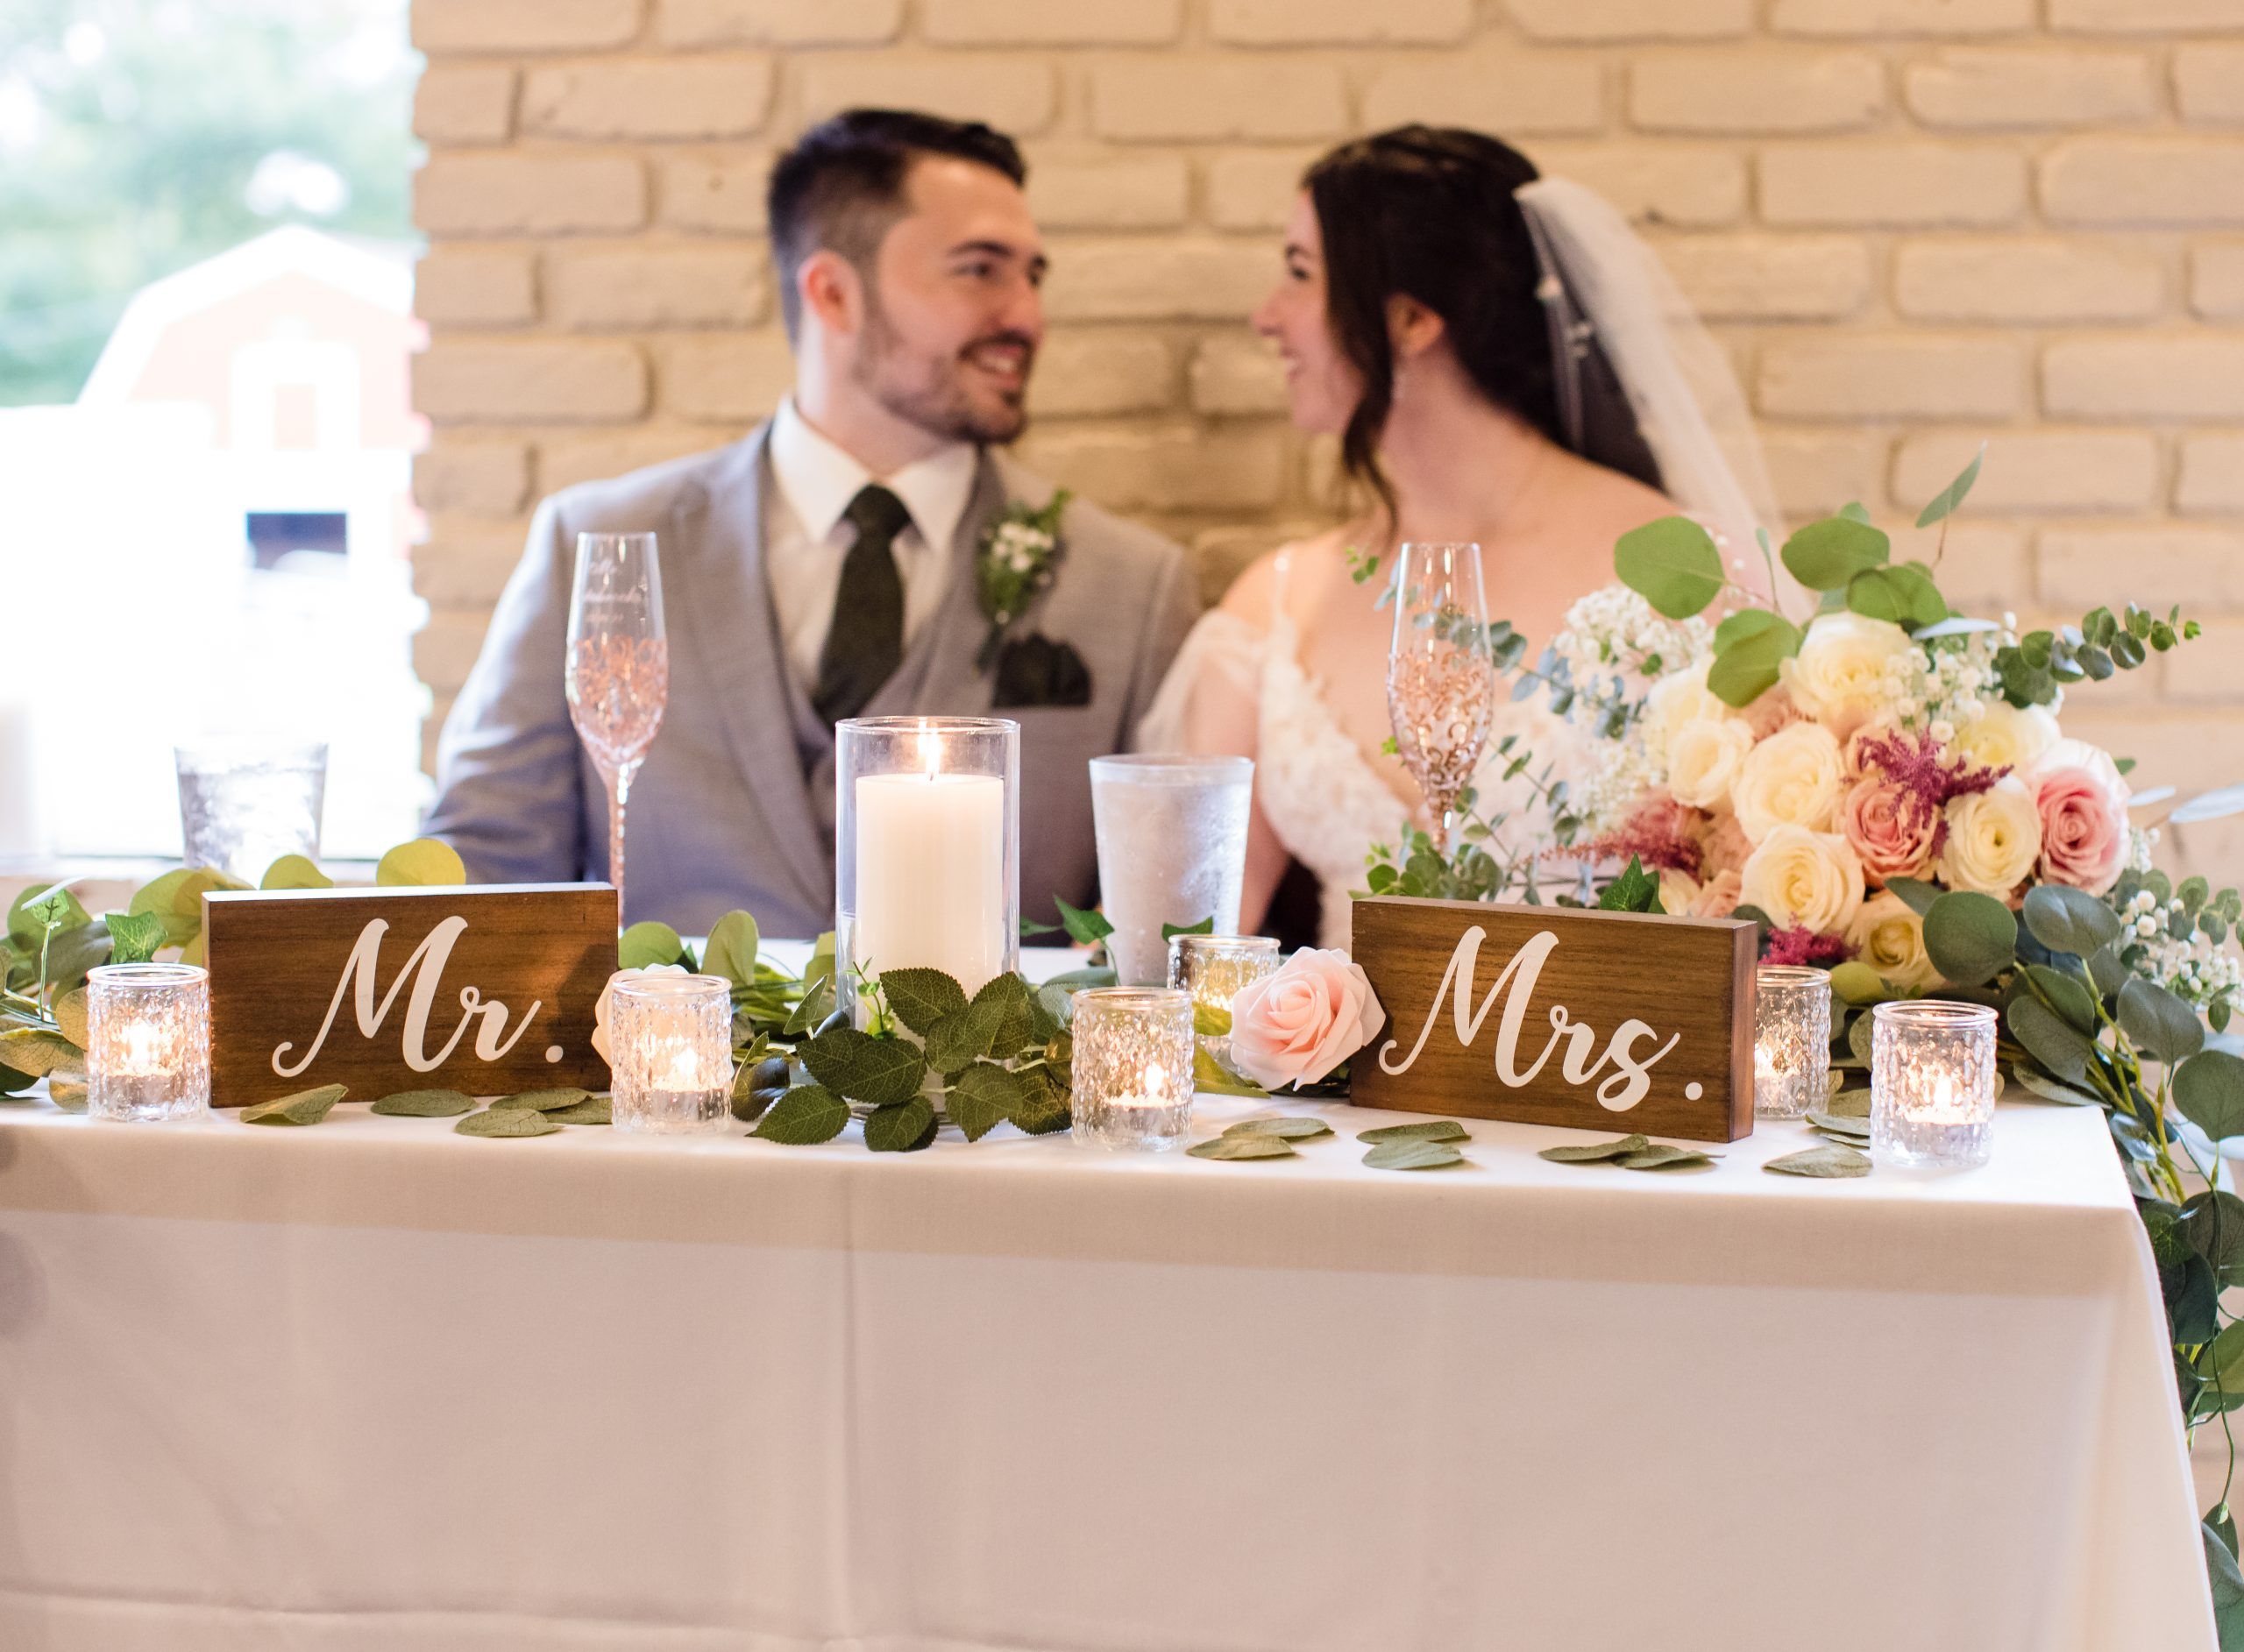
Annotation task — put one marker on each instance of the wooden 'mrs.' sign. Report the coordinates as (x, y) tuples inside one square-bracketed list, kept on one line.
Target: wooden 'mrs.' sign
[(487, 990), (1551, 1016)]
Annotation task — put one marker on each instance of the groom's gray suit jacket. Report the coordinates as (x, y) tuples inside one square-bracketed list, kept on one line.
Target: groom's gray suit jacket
[(735, 806)]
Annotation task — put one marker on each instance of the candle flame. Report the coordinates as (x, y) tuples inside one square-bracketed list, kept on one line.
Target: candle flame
[(930, 751), (1156, 1081), (683, 1073)]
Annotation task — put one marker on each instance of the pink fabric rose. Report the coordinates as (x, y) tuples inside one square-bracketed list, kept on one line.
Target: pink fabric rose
[(2083, 828), (1295, 1026), (1874, 817), (1717, 896)]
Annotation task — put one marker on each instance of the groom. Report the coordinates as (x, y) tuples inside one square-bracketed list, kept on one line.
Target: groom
[(829, 565)]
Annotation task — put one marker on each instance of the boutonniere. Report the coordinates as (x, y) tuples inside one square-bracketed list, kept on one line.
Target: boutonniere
[(1015, 562)]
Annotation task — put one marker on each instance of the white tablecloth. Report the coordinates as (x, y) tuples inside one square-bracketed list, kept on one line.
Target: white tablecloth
[(374, 1384)]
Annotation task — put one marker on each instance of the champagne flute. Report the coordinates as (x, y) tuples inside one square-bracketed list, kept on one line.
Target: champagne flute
[(1441, 684), (617, 671)]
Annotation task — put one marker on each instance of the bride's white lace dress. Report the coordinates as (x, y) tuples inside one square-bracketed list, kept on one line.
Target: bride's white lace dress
[(1321, 796)]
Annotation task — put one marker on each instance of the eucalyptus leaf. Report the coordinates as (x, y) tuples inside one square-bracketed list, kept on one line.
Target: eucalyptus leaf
[(879, 1072), (593, 1109), (984, 1097), (1662, 1156), (2213, 1224), (1849, 1104), (1211, 1075), (1595, 1152), (545, 1101), (135, 937), (38, 1052), (1916, 893), (36, 910), (304, 1107), (423, 863), (1842, 1123), (70, 1015), (2050, 1089), (2208, 1090), (1209, 1022), (2068, 920), (1831, 1161), (1824, 556), (1432, 1130), (295, 871), (903, 1127), (2160, 1022), (1944, 502), (1243, 1147), (1750, 665), (73, 952), (804, 1116), (14, 1081), (1862, 1033), (1291, 1127), (1058, 1003), (504, 1123), (1859, 983), (2067, 994), (731, 949), (1900, 595), (921, 997), (647, 944), (1672, 563), (2049, 1040), (1969, 938), (425, 1104), (1414, 1155), (70, 1097), (2227, 1588)]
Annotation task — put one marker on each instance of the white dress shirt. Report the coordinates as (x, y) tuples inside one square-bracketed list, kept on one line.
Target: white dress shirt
[(805, 539)]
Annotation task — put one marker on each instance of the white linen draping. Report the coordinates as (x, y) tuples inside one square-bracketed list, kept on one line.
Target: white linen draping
[(373, 1385)]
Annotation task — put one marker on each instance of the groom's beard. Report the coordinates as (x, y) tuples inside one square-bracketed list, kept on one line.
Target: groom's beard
[(931, 391)]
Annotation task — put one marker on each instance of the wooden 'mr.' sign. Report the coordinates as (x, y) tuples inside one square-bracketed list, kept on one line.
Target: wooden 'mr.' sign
[(1551, 1016), (488, 991)]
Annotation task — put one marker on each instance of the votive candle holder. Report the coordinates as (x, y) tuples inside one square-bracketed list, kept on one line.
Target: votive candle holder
[(1792, 1040), (1213, 970), (1933, 1084), (1133, 1068), (148, 1042), (673, 1066)]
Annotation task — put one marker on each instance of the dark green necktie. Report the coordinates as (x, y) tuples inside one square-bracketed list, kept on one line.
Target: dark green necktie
[(865, 642)]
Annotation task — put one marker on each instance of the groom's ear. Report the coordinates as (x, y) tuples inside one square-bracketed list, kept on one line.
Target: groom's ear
[(1412, 328), (833, 292)]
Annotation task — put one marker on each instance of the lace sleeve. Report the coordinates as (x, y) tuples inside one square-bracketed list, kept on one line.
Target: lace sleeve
[(1216, 679)]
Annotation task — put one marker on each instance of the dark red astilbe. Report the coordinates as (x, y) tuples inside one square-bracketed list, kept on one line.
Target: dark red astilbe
[(1928, 777), (1658, 834), (1804, 946)]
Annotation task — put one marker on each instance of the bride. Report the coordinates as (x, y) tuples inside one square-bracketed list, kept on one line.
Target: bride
[(1503, 363)]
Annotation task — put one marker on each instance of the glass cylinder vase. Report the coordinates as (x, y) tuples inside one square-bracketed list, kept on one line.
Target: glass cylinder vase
[(148, 1042), (926, 850), (1133, 1068), (1932, 1077), (672, 1039), (1213, 970), (1792, 1040)]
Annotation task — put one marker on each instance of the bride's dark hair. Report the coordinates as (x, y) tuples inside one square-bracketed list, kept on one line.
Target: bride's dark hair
[(1427, 213)]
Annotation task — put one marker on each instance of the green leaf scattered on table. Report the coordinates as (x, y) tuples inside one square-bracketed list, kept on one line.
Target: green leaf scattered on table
[(425, 1104), (38, 1052), (505, 1121), (304, 1107), (1431, 1130), (1419, 1154), (1662, 1156), (806, 1115), (547, 1101), (1258, 1146), (423, 863), (1833, 1161), (593, 1109), (1595, 1152), (1292, 1128)]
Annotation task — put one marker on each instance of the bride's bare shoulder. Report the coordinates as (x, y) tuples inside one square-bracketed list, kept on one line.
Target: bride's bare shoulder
[(1293, 568), (1607, 503)]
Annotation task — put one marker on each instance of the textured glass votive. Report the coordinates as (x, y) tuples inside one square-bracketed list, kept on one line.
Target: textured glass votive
[(1792, 1040), (1932, 1078), (148, 1042), (1133, 1068), (673, 1041), (1214, 969)]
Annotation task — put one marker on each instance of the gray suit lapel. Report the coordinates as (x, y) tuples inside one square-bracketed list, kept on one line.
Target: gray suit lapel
[(727, 608)]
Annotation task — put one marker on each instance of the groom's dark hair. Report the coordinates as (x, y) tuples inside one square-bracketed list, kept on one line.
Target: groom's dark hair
[(842, 185)]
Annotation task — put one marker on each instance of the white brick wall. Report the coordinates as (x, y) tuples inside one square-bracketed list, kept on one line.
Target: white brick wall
[(1917, 223)]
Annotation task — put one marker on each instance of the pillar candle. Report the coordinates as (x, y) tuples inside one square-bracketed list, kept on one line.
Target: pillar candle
[(931, 863)]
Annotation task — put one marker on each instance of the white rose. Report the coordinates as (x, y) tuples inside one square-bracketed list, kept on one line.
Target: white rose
[(608, 996), (2078, 754), (1794, 777), (1804, 879), (1678, 891), (1677, 701), (1703, 758), (1843, 675), (2005, 736), (1889, 936), (1994, 837)]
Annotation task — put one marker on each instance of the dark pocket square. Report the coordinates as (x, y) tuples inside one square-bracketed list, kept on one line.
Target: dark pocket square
[(1035, 671)]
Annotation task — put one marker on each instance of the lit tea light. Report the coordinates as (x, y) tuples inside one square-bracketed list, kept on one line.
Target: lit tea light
[(1133, 1068), (1792, 1040), (148, 1042), (1933, 1084), (672, 1039)]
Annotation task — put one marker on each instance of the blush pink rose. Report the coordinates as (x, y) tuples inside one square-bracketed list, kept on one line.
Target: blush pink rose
[(1717, 896), (1295, 1026), (1727, 848), (2083, 828), (1873, 817), (1771, 710)]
